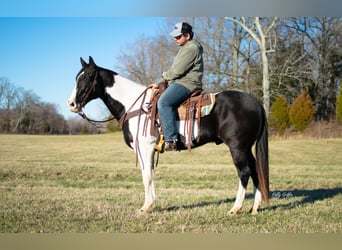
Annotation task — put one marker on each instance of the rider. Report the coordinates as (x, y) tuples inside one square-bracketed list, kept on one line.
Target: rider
[(184, 76)]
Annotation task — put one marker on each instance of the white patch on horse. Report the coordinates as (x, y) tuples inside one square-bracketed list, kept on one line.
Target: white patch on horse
[(126, 92)]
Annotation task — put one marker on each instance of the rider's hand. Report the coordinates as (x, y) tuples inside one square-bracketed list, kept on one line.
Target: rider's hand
[(153, 86)]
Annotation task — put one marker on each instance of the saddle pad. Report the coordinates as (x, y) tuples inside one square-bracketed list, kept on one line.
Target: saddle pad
[(207, 104), (206, 109)]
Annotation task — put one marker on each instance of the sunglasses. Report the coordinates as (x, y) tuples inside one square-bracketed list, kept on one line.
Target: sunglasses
[(178, 37)]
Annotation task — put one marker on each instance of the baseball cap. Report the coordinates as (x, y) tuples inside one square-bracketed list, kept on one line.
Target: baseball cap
[(181, 28)]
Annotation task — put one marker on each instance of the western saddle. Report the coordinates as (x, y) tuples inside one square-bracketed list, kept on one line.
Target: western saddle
[(188, 111)]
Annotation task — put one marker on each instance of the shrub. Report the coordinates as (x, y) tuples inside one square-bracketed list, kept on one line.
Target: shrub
[(279, 117), (339, 106), (302, 112)]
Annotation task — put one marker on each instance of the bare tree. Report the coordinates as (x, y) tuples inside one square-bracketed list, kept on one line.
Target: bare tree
[(8, 99), (27, 103), (264, 35), (214, 34), (290, 65), (322, 42), (145, 59)]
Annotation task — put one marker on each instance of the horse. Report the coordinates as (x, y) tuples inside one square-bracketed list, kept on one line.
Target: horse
[(236, 119)]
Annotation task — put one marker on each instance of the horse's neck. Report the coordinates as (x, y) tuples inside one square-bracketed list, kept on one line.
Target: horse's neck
[(125, 91)]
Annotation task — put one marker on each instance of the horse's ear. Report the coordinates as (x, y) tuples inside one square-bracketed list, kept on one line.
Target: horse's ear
[(83, 62), (91, 61)]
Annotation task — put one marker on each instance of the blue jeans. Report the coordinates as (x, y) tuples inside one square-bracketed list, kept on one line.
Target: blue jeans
[(168, 103)]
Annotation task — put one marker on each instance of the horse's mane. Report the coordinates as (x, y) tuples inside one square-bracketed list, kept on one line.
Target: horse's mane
[(111, 71)]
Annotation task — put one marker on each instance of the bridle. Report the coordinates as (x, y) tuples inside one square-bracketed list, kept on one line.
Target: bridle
[(90, 90), (84, 102)]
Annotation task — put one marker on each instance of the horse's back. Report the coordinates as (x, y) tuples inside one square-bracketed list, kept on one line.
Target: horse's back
[(238, 99)]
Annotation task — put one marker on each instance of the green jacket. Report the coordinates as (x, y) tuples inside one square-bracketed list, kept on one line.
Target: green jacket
[(187, 67)]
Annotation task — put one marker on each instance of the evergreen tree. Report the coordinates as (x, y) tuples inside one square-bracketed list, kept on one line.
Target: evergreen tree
[(302, 112), (279, 117)]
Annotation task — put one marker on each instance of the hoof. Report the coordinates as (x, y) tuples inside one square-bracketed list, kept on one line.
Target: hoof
[(141, 213), (254, 211), (144, 211), (234, 210)]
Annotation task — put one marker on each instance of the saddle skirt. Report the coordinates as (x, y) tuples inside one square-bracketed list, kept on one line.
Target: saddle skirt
[(202, 103)]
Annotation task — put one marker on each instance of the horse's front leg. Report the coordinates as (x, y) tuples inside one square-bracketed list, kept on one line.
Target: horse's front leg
[(146, 160)]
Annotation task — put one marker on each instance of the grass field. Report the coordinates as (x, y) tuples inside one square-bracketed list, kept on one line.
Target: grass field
[(91, 184)]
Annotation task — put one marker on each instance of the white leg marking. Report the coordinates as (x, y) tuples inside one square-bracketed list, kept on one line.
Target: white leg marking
[(257, 200), (240, 197), (146, 158)]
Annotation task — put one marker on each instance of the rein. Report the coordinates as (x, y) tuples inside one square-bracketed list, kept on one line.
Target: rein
[(93, 122), (130, 114)]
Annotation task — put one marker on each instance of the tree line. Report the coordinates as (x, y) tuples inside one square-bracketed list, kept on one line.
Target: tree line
[(22, 111), (266, 57)]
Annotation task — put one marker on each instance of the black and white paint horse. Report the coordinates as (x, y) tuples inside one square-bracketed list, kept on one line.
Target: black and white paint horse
[(237, 119)]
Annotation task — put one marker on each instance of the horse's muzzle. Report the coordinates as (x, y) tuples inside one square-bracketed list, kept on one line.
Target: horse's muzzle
[(74, 107)]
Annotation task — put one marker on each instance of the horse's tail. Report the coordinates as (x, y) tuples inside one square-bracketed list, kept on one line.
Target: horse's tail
[(262, 161)]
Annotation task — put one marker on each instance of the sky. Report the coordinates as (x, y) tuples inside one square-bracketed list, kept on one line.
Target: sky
[(42, 54)]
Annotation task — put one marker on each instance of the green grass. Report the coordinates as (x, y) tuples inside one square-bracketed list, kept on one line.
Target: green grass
[(91, 184)]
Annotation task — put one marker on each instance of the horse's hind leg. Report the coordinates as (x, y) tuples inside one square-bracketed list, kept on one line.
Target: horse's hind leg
[(240, 159), (257, 193), (257, 200), (240, 196)]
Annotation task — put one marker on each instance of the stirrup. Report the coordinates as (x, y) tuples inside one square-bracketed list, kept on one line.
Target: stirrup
[(160, 146), (170, 146)]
